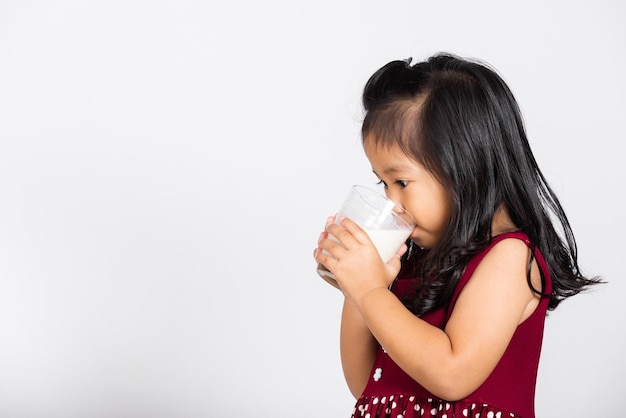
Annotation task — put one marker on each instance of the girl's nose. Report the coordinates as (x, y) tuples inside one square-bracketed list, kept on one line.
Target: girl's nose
[(393, 196)]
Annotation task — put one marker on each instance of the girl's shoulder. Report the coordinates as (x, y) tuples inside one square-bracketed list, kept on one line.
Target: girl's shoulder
[(515, 241), (507, 253), (508, 247)]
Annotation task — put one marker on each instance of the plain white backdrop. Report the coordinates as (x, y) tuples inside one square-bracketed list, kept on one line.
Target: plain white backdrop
[(166, 167)]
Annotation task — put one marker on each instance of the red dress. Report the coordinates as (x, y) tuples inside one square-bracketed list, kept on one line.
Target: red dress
[(509, 391)]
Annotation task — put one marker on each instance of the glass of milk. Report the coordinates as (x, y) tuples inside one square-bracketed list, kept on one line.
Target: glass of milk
[(386, 223)]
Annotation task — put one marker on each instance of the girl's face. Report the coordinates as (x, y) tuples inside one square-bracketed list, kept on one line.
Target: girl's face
[(414, 188)]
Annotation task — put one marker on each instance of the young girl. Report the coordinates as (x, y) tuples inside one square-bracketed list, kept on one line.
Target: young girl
[(453, 326)]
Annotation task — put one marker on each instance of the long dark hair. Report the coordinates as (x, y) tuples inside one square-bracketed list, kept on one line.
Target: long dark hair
[(460, 120)]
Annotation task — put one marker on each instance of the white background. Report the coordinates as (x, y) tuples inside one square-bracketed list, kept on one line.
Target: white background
[(166, 167)]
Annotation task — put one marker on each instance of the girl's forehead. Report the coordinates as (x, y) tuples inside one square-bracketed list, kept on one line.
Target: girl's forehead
[(387, 157), (375, 147), (374, 143)]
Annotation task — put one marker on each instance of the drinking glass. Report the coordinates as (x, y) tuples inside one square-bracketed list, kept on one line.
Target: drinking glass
[(386, 223)]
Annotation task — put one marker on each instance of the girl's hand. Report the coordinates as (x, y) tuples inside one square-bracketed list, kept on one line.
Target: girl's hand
[(354, 260)]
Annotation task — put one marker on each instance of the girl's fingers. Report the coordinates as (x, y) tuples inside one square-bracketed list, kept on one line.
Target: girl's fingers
[(348, 233), (342, 235), (324, 233), (355, 230), (330, 246), (323, 256), (403, 249)]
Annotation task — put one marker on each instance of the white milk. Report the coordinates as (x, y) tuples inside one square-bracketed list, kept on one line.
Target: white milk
[(388, 241)]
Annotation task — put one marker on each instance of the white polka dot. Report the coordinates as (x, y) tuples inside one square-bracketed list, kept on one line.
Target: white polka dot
[(375, 401), (433, 411), (411, 398), (465, 412), (490, 414), (383, 400), (498, 414)]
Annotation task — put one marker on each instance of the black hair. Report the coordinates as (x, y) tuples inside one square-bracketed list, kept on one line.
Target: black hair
[(459, 119)]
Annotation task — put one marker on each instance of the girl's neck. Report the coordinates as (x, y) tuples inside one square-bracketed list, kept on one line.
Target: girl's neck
[(502, 222)]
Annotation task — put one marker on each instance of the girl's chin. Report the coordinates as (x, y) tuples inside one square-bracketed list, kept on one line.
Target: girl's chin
[(418, 239)]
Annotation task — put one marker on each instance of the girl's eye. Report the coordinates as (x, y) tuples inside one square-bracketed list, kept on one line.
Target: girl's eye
[(401, 183)]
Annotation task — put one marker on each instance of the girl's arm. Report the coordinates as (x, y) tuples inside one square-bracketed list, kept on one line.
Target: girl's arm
[(358, 348), (453, 362), (357, 344)]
